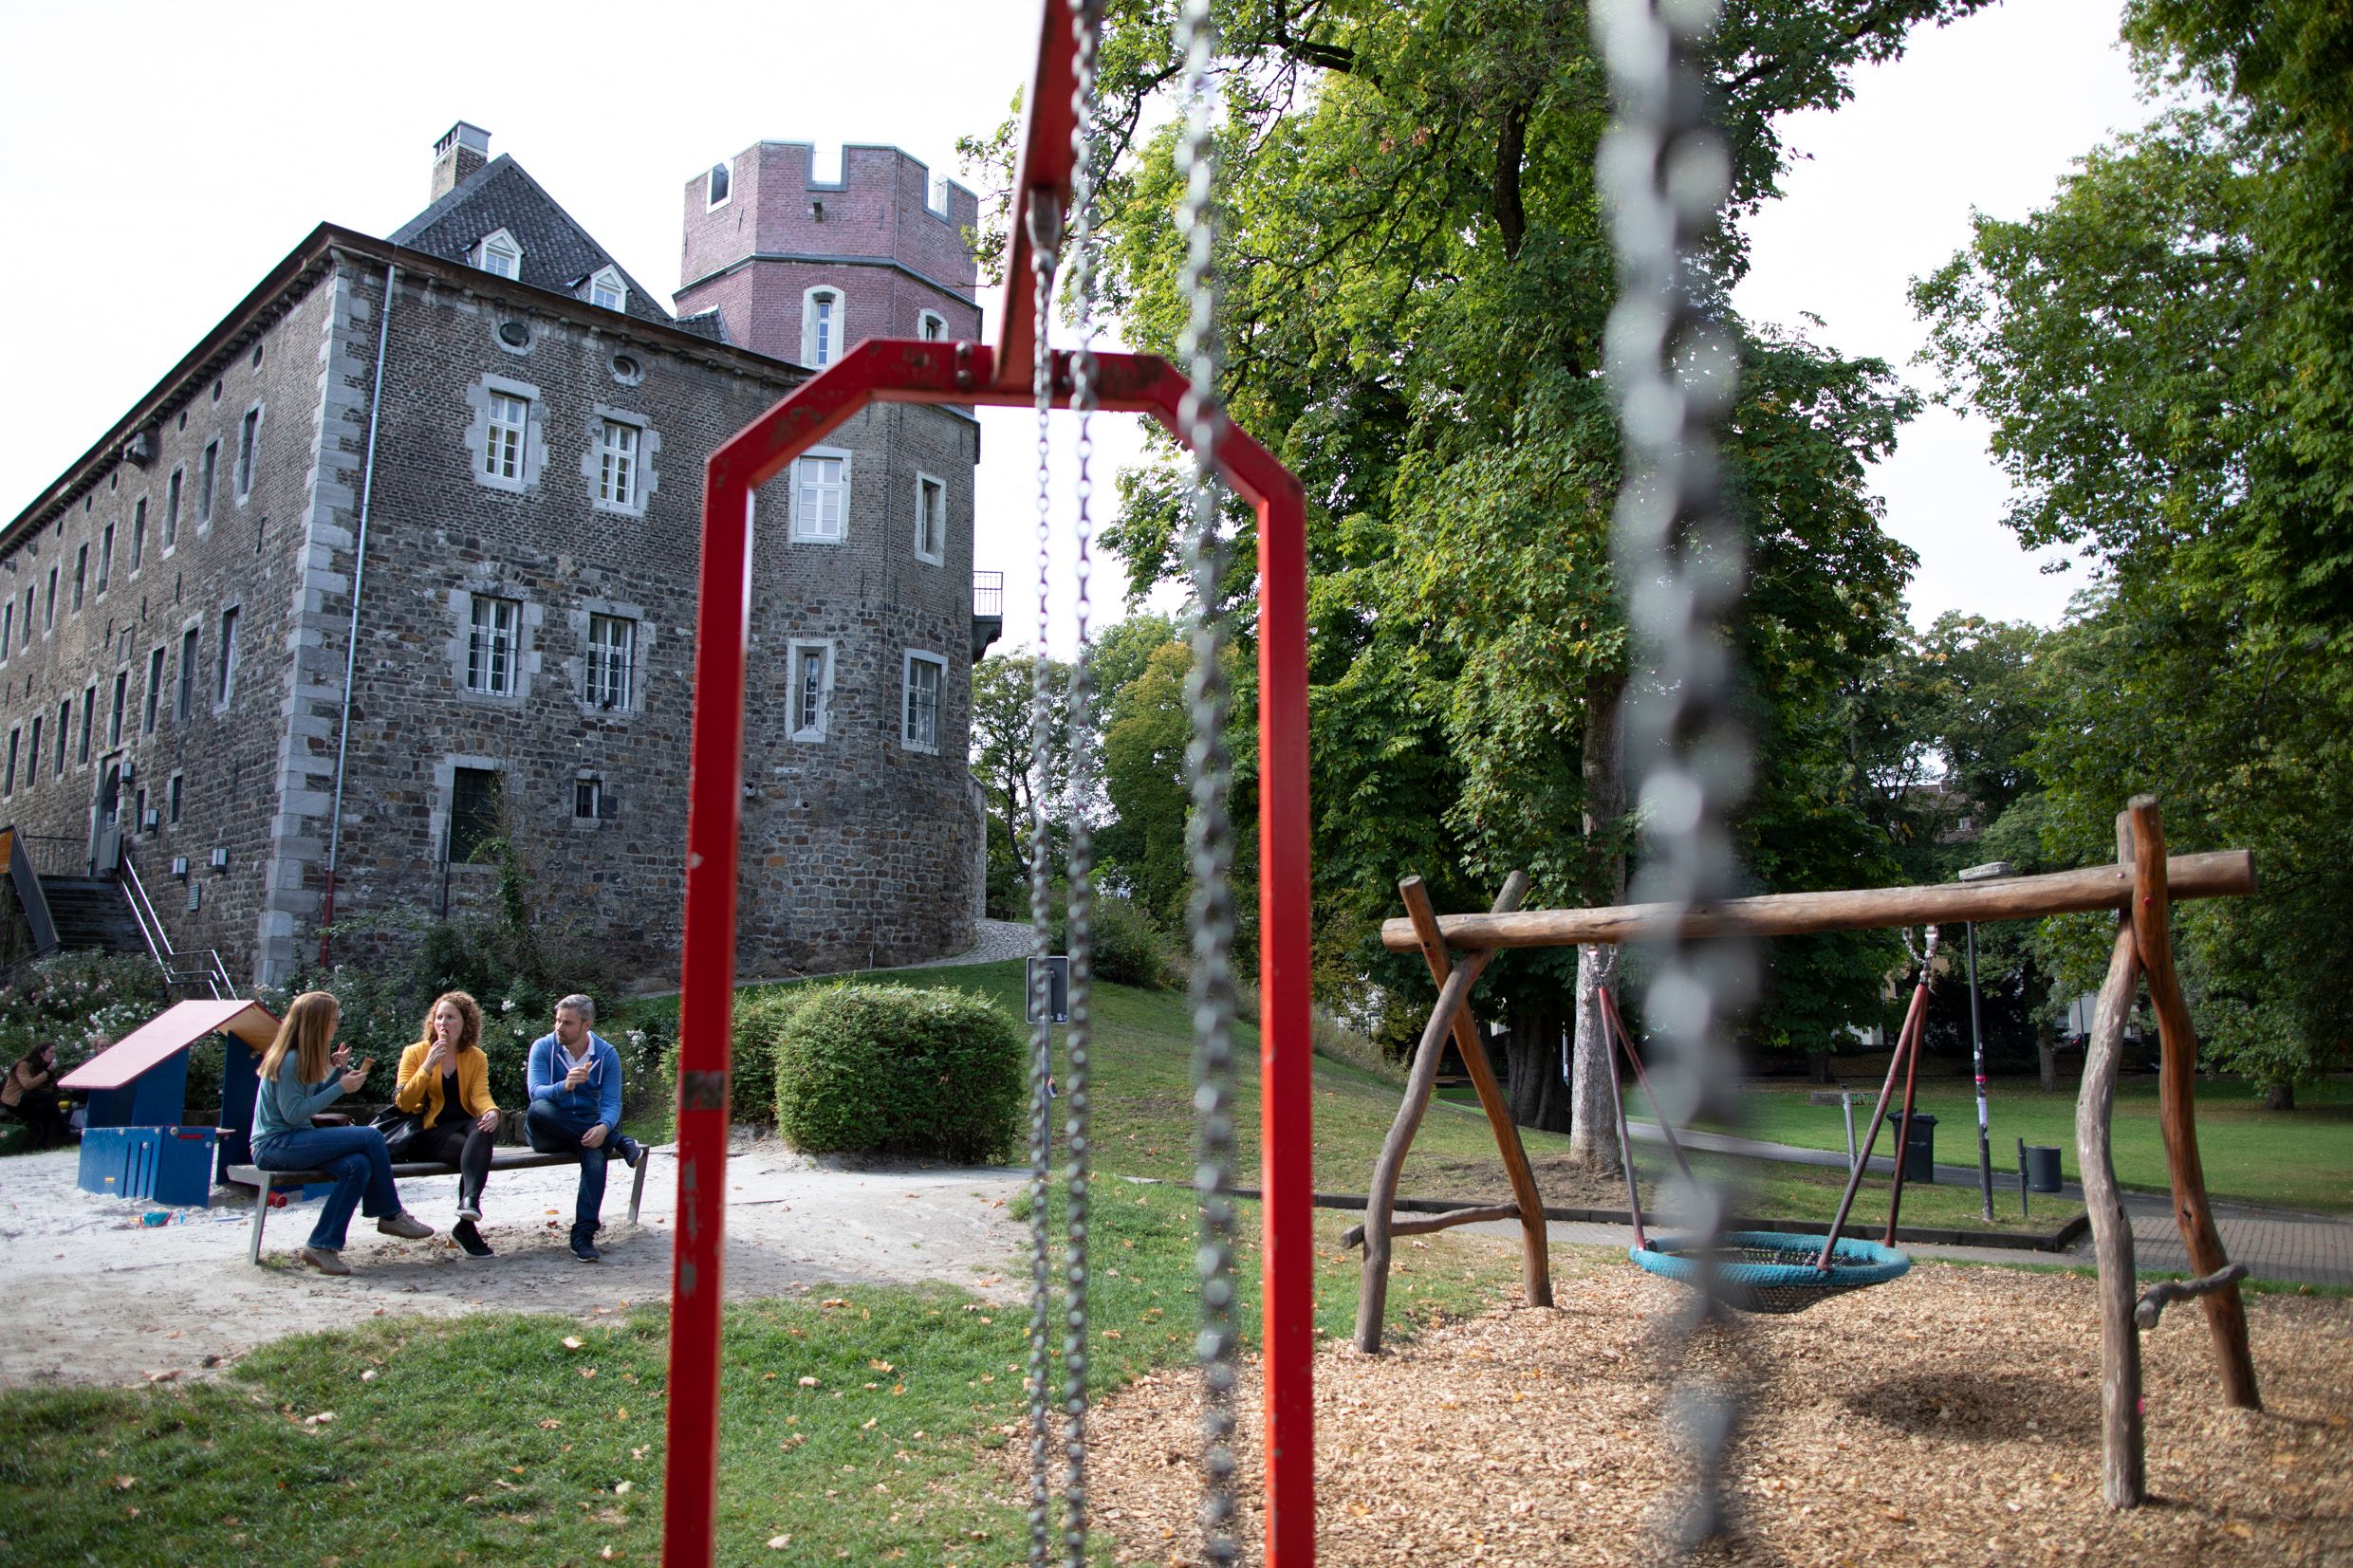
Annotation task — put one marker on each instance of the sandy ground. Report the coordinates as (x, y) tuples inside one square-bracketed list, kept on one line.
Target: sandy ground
[(1949, 1418), (88, 1294)]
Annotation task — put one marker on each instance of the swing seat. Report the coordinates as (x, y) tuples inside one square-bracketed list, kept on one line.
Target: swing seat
[(1772, 1271)]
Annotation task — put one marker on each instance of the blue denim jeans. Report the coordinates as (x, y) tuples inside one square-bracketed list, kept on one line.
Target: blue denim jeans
[(362, 1175), (553, 1131)]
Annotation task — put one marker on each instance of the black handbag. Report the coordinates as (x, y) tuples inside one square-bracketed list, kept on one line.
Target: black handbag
[(399, 1129)]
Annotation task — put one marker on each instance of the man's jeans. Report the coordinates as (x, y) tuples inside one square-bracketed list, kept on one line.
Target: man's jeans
[(552, 1132), (362, 1175)]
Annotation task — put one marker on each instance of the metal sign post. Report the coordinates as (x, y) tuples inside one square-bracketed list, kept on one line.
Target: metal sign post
[(1049, 990)]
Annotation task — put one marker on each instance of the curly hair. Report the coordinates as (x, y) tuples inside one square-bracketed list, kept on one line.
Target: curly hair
[(469, 1020)]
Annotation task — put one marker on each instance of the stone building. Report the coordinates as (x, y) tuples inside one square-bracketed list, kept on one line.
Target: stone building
[(402, 555)]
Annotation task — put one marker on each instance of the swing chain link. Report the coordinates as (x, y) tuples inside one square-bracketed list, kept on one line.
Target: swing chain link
[(1209, 828), (1085, 20), (1665, 171), (1044, 238)]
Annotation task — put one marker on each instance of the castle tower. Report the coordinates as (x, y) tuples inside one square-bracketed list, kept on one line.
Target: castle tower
[(800, 268)]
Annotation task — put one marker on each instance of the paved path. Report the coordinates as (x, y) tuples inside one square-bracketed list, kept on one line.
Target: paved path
[(2274, 1243)]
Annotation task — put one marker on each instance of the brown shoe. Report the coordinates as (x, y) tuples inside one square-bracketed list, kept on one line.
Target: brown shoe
[(322, 1260), (405, 1225)]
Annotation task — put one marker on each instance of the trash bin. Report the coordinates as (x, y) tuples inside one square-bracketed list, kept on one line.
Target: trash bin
[(2042, 1167), (1919, 1149)]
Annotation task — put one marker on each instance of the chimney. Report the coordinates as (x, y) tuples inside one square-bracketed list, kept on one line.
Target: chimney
[(465, 149)]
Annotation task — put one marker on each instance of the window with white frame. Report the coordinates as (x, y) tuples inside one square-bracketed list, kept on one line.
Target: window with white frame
[(82, 574), (715, 187), (32, 755), (612, 660), (170, 509), (175, 794), (931, 325), (821, 496), (184, 700), (617, 463), (138, 531), (493, 642), (208, 479), (820, 327), (89, 708), (48, 603), (16, 735), (509, 424), (591, 800), (114, 715), (248, 437), (926, 678), (7, 628), (499, 254), (812, 672), (930, 518), (606, 291), (105, 557)]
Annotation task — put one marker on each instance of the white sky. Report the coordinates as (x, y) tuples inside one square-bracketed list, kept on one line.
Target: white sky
[(157, 159)]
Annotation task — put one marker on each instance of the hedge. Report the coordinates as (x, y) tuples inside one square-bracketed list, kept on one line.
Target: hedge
[(893, 1070), (759, 1018)]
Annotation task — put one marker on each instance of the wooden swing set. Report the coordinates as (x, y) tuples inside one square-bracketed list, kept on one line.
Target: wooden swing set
[(2141, 887)]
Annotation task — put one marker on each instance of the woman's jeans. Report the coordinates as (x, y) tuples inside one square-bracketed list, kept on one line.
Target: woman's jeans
[(361, 1168)]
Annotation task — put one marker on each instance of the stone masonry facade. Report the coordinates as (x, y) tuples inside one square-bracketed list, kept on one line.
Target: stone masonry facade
[(530, 468)]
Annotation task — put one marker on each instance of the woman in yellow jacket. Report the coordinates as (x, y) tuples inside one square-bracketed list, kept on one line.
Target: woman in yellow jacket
[(445, 1082)]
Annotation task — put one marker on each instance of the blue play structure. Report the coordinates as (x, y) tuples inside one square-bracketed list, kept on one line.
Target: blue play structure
[(1771, 1270), (134, 1143)]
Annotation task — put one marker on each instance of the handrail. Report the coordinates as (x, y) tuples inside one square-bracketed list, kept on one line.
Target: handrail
[(207, 971)]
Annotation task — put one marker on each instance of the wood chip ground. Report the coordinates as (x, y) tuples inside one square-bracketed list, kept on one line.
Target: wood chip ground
[(1949, 1418)]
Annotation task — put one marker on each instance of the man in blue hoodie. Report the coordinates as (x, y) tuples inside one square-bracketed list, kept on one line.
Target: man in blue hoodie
[(575, 1083)]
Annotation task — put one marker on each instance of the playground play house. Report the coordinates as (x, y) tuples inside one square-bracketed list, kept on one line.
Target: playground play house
[(135, 1144)]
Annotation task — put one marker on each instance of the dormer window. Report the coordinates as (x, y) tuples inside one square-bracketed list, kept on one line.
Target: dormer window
[(500, 255), (820, 328), (714, 188), (931, 326), (606, 292)]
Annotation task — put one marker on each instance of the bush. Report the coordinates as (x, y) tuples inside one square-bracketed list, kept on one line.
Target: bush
[(889, 1069), (1129, 948), (758, 1022)]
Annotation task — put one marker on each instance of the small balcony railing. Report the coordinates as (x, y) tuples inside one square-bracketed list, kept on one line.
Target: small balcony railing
[(988, 594)]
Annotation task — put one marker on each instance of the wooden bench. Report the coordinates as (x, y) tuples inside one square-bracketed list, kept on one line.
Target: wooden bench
[(509, 1159)]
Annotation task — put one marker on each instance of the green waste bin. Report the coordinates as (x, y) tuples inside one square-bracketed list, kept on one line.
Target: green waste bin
[(1919, 1148), (2042, 1167)]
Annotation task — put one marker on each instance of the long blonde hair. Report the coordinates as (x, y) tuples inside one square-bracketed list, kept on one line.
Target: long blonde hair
[(309, 1025), (468, 1021)]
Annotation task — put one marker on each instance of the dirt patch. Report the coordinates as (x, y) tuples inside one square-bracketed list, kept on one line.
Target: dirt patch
[(1949, 1418), (99, 1297), (1564, 1182)]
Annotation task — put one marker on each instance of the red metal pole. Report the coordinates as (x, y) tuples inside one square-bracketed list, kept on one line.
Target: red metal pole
[(706, 999)]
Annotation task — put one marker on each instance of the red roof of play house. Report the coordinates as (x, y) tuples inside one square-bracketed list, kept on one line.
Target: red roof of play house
[(173, 1030)]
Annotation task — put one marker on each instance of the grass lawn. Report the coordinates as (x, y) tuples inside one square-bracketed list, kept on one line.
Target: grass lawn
[(2301, 1158)]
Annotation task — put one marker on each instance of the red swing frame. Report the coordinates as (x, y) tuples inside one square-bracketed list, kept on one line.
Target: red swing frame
[(908, 371)]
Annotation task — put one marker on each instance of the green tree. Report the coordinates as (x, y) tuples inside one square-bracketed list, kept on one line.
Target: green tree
[(2166, 354), (1005, 765)]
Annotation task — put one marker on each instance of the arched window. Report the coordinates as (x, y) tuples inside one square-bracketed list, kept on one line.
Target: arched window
[(823, 325)]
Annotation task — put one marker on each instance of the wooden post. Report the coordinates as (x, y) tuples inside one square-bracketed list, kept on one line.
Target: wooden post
[(1373, 1295), (2123, 1471), (2226, 1313), (1535, 1240)]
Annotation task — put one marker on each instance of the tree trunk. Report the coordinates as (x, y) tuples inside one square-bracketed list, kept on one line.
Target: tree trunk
[(1593, 1131), (1538, 1097), (2047, 1056), (2279, 1096)]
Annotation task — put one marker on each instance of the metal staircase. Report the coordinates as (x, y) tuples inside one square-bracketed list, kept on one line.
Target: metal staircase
[(70, 905)]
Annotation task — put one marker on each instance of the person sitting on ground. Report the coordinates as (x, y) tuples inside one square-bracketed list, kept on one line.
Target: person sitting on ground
[(30, 1092), (445, 1083), (575, 1081), (300, 1076)]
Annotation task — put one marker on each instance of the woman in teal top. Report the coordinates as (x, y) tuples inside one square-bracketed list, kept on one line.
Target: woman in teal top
[(300, 1076)]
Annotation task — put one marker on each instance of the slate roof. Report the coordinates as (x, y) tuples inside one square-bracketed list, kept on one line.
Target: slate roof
[(705, 323), (558, 254)]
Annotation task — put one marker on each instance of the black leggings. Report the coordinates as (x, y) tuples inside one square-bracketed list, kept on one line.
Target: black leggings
[(456, 1140), (40, 1112)]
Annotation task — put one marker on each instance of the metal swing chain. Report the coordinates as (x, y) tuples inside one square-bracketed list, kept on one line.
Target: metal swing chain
[(1085, 19), (1045, 237), (1665, 171), (1209, 830)]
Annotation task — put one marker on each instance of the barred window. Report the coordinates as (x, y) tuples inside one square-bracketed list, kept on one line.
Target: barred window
[(612, 660), (492, 646)]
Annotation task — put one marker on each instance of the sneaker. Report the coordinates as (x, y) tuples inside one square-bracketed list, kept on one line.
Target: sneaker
[(584, 1247), (465, 1235), (631, 1152), (324, 1260), (405, 1225), (468, 1208)]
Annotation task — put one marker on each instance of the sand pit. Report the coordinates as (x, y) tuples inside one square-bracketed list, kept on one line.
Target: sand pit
[(1949, 1418), (94, 1296)]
